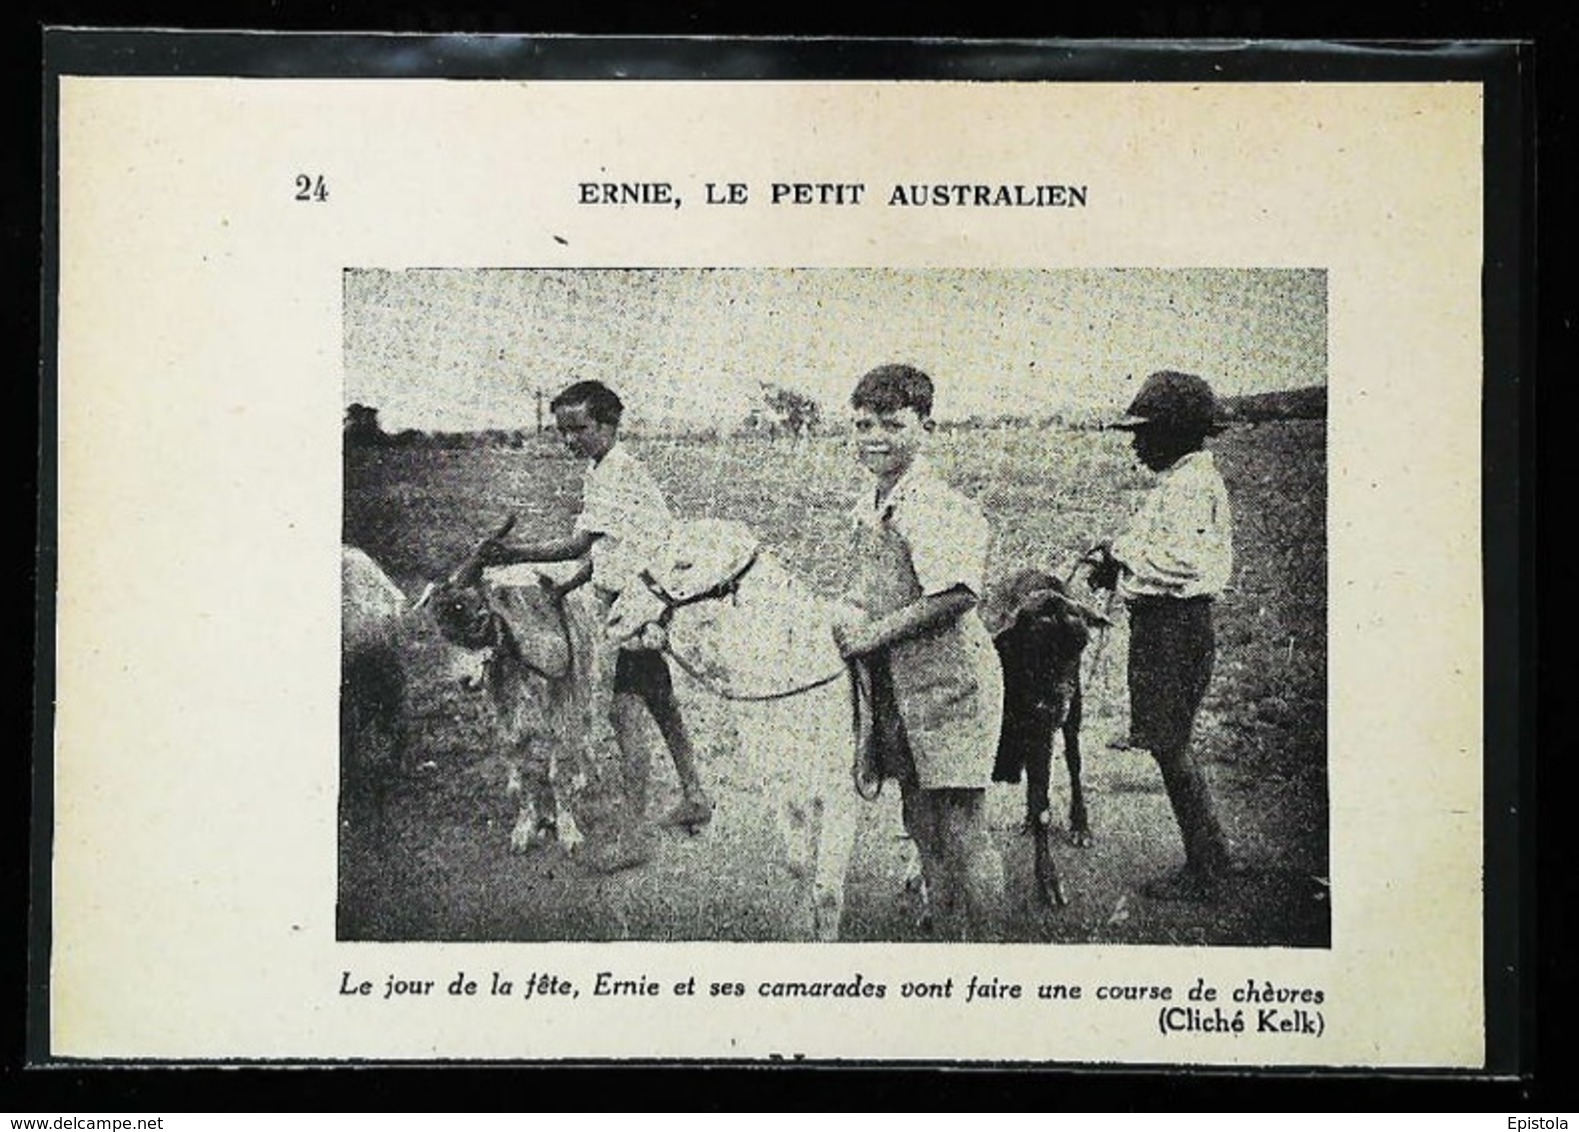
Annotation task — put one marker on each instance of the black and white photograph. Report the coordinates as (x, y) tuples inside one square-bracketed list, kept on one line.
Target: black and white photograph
[(675, 551), (1143, 760)]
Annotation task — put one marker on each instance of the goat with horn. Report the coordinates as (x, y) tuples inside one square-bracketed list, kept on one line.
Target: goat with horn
[(528, 646)]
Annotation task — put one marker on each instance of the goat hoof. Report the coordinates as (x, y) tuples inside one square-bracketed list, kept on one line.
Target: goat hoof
[(691, 814), (1081, 838), (1053, 896), (527, 837)]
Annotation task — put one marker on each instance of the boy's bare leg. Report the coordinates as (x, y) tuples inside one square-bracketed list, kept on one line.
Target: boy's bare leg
[(531, 783), (923, 823), (624, 841), (634, 761), (1205, 846), (695, 807), (975, 862)]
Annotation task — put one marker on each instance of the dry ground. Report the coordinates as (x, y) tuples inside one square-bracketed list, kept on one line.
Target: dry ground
[(440, 869)]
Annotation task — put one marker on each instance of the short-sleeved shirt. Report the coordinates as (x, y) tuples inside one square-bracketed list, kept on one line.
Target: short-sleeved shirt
[(924, 539), (623, 505), (1181, 542), (946, 533)]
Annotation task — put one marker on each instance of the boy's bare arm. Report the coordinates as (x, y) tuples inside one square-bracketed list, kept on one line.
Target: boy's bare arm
[(905, 622), (581, 577), (575, 545)]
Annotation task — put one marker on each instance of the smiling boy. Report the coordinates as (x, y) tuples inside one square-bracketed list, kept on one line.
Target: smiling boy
[(920, 557), (624, 516)]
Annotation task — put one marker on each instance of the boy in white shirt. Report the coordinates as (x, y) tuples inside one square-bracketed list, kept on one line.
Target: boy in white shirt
[(624, 516), (1169, 565), (920, 553)]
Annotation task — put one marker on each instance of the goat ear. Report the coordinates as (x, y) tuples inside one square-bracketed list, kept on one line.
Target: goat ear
[(1067, 605), (426, 596)]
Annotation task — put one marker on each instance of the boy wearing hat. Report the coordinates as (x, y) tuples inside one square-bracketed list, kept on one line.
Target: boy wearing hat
[(1169, 565), (920, 552), (623, 515)]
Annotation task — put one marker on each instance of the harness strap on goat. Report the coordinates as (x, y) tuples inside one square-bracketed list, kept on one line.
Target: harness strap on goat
[(503, 638), (729, 587), (726, 588), (860, 696), (747, 697)]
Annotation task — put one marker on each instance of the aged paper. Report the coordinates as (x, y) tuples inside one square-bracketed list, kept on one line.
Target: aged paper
[(242, 260)]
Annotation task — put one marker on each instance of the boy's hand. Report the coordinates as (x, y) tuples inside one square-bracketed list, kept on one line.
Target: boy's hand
[(1100, 551), (852, 633), (1104, 567)]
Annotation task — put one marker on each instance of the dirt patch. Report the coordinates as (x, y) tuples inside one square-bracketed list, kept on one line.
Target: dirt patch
[(439, 865)]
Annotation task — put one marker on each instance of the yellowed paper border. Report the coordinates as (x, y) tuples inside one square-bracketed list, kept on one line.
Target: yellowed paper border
[(200, 404)]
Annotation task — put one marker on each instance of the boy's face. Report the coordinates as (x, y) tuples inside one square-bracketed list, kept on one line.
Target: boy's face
[(1159, 448), (887, 443), (584, 436)]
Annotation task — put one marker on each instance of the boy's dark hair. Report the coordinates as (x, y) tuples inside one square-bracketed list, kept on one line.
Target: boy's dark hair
[(603, 404), (887, 389)]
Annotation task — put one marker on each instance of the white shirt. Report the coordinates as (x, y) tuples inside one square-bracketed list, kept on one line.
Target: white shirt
[(624, 506), (946, 532), (1181, 540)]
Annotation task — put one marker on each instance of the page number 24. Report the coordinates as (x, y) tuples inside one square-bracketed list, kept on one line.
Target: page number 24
[(311, 188)]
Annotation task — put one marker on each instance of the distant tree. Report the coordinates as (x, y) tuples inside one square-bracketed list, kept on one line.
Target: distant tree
[(362, 429), (798, 414), (1308, 403)]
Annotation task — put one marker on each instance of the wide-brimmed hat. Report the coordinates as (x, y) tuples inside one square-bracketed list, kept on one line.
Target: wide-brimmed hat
[(1175, 401)]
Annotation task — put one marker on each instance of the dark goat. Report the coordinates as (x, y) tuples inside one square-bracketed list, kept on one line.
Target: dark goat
[(1040, 646)]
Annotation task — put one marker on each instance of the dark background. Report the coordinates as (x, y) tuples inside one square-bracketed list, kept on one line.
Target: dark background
[(1530, 110)]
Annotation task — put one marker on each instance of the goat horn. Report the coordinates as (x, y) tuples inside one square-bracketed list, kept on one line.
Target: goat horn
[(473, 561)]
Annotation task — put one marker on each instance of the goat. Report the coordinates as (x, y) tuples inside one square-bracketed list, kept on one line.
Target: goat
[(1039, 644), (533, 652), (372, 680), (728, 613)]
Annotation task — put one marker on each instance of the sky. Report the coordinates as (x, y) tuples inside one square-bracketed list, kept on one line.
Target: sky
[(465, 349)]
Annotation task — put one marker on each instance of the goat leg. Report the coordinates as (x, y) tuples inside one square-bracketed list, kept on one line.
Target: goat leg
[(1038, 777), (1048, 884), (1039, 822), (1079, 820)]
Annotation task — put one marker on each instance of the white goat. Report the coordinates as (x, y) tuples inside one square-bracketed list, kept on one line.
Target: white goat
[(732, 616)]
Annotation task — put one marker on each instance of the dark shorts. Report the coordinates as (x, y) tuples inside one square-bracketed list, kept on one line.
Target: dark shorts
[(643, 673), (1171, 649)]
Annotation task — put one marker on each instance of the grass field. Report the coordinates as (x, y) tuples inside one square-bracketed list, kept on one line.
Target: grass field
[(442, 870)]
